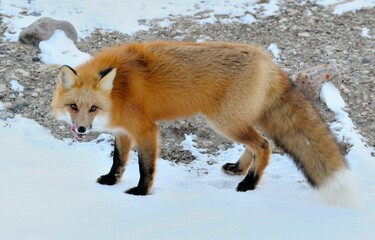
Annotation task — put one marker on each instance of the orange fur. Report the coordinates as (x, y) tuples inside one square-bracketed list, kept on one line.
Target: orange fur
[(235, 86)]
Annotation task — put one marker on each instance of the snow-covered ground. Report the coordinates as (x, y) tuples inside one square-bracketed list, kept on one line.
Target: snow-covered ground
[(126, 16), (343, 6), (133, 15), (49, 192), (48, 188)]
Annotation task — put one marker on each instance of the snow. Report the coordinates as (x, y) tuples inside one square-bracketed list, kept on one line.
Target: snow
[(275, 52), (365, 32), (165, 23), (59, 49), (127, 16), (16, 86), (345, 129), (353, 6), (49, 192), (48, 185), (344, 6)]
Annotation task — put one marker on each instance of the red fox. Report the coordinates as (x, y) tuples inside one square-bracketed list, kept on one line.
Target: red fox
[(128, 89)]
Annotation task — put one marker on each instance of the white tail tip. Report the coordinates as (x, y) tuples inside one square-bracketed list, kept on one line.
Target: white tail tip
[(341, 190)]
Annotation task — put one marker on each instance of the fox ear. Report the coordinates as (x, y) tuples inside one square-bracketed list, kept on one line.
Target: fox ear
[(106, 79), (67, 77)]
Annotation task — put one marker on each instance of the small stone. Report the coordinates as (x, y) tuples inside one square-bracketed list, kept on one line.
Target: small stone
[(48, 68), (4, 115), (221, 147), (35, 14), (207, 143), (36, 59), (2, 107), (22, 72), (283, 27), (292, 12), (283, 20), (35, 94), (287, 70), (304, 34), (3, 88), (211, 162), (19, 107), (366, 60), (345, 90), (12, 76), (293, 52), (8, 105), (311, 21)]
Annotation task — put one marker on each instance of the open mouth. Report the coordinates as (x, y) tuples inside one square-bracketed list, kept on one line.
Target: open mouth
[(79, 136)]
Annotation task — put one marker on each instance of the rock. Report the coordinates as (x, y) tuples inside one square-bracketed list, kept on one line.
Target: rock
[(43, 28), (283, 20), (4, 115), (7, 105), (19, 107), (35, 14), (311, 80), (48, 68), (3, 88), (366, 60), (36, 59), (211, 162), (2, 107), (304, 34), (345, 90), (22, 72), (207, 143)]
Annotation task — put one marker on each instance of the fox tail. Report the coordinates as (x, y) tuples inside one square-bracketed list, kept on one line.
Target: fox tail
[(295, 125)]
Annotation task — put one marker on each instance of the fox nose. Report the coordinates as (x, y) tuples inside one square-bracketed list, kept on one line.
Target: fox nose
[(81, 129)]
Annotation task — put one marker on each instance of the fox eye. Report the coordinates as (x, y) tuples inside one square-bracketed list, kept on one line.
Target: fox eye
[(74, 107), (93, 108)]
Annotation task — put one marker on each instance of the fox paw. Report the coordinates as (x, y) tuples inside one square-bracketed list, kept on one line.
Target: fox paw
[(232, 169), (249, 183), (107, 179), (243, 186), (138, 191)]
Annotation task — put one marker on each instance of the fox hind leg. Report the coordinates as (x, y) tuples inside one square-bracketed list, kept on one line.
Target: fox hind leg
[(241, 166), (262, 151), (120, 157), (256, 156)]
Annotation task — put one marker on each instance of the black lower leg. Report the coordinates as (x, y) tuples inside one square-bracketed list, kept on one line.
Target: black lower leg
[(249, 183), (146, 171), (116, 171)]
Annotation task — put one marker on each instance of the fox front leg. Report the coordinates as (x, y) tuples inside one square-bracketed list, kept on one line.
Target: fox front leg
[(120, 157), (147, 154)]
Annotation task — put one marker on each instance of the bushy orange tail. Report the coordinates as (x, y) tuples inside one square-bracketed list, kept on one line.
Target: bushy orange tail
[(296, 126)]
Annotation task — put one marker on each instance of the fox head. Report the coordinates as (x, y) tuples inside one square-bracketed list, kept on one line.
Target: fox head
[(84, 97)]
